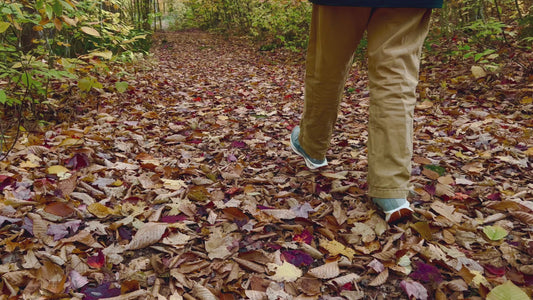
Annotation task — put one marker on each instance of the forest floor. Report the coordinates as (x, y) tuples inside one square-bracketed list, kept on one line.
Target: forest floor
[(184, 186)]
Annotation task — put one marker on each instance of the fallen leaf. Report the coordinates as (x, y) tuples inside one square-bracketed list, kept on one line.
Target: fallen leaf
[(336, 248), (287, 272), (380, 279), (495, 232), (414, 289), (325, 271), (507, 291), (149, 234)]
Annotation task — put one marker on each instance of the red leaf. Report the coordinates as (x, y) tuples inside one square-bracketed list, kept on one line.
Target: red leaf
[(96, 261), (497, 271), (78, 161), (304, 237)]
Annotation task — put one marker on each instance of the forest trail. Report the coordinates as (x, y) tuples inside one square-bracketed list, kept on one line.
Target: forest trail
[(184, 187)]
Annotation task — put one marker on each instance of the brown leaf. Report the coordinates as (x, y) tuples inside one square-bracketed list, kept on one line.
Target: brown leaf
[(52, 277), (423, 229), (60, 209), (148, 234), (325, 271), (309, 286), (380, 279), (457, 285), (525, 217), (203, 293), (249, 265)]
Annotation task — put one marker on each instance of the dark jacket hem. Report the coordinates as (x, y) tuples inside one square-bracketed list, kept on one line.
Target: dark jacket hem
[(382, 3)]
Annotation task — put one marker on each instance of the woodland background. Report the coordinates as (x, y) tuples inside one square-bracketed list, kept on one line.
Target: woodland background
[(143, 155)]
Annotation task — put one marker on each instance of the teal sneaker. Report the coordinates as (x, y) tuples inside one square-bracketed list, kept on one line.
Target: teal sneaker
[(295, 146)]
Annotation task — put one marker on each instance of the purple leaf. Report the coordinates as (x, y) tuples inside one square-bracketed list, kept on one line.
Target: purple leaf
[(304, 237), (426, 273), (303, 210), (238, 144), (297, 258), (28, 225), (10, 220), (101, 291), (60, 231), (173, 218), (78, 161), (125, 233)]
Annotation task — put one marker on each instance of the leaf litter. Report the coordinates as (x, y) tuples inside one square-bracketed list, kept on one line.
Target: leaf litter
[(184, 187)]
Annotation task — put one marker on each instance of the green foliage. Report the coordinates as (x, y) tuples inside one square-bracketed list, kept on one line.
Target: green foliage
[(275, 23), (44, 41), (526, 28), (486, 30)]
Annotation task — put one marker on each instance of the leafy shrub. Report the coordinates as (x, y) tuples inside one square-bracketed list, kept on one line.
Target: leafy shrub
[(276, 23), (49, 46)]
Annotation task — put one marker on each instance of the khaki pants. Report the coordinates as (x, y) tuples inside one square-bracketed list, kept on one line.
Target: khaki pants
[(395, 39)]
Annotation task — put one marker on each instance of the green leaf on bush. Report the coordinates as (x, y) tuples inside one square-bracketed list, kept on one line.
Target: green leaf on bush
[(495, 232), (3, 97), (121, 86), (507, 291), (87, 83), (4, 26)]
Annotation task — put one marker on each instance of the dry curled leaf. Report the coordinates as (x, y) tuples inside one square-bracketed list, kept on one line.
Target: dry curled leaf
[(203, 293), (148, 234), (325, 271), (457, 285), (380, 279), (525, 217)]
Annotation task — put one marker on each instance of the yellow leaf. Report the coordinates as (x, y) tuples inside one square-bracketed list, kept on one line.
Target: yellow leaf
[(172, 184), (4, 26), (118, 182), (286, 272), (57, 170), (29, 164), (58, 24), (529, 152), (90, 31), (336, 248), (507, 291), (526, 100), (478, 279), (103, 54), (70, 142), (99, 210)]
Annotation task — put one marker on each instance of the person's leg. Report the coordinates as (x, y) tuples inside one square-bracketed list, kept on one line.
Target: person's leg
[(335, 34), (395, 40)]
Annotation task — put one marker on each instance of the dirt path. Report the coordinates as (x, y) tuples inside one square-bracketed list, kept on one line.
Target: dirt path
[(185, 187)]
